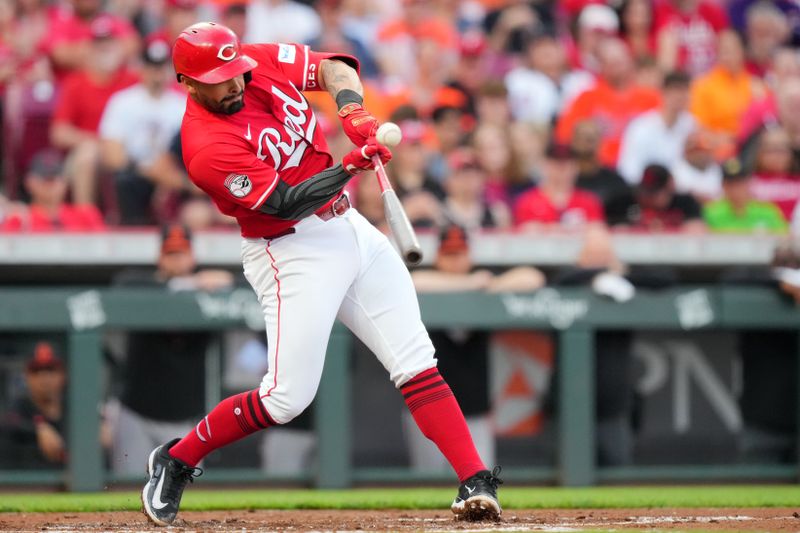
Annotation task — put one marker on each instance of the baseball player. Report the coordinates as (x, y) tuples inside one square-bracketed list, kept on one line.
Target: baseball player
[(252, 143)]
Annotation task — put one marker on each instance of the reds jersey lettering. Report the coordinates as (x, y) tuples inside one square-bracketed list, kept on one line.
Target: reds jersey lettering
[(311, 80), (272, 140)]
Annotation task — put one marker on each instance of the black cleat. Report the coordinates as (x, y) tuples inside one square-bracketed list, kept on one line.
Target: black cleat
[(161, 496), (477, 497)]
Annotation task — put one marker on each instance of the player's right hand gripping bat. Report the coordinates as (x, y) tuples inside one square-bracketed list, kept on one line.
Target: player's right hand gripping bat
[(389, 134)]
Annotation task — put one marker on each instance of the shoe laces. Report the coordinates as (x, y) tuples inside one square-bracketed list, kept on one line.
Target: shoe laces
[(492, 478), (179, 475)]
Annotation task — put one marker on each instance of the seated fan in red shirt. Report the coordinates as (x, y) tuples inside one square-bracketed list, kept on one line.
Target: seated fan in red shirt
[(556, 200), (47, 186)]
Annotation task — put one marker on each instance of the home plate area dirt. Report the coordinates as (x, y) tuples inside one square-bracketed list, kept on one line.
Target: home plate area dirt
[(743, 519)]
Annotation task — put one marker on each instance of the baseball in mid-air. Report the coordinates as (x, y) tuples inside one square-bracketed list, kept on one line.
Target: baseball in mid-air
[(389, 134)]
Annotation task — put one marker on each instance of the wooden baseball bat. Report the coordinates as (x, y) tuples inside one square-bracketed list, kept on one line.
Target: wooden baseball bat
[(396, 216)]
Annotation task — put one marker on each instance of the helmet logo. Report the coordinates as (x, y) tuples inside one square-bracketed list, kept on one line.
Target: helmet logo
[(226, 56)]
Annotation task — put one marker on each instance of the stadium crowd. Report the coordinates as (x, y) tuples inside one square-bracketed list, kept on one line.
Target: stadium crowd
[(674, 115)]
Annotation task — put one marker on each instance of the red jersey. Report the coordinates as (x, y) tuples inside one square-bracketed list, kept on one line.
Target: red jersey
[(696, 32), (82, 99), (238, 159), (781, 189), (77, 218), (535, 206), (66, 27)]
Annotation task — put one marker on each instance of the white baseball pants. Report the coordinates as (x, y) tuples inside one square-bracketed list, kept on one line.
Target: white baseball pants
[(344, 268)]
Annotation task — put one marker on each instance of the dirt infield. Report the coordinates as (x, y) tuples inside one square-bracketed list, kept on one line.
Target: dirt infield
[(539, 520)]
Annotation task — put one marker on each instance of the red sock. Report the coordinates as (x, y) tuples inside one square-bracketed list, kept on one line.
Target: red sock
[(436, 412), (232, 419)]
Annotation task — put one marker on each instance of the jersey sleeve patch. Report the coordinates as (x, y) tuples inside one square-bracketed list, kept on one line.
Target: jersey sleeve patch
[(286, 53), (239, 185)]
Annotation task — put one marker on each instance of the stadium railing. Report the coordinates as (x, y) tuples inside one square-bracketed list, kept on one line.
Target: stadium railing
[(488, 248)]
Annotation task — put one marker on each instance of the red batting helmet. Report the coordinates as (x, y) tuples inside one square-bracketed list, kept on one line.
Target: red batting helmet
[(209, 53)]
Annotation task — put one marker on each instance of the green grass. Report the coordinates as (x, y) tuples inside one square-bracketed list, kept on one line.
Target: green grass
[(428, 498)]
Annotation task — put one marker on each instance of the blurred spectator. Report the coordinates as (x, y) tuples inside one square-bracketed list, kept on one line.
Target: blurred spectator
[(784, 71), (491, 104), (528, 143), (720, 98), (463, 354), (464, 203), (686, 33), (787, 101), (449, 127), (330, 36), (657, 136), (766, 31), (198, 213), (368, 200), (543, 84), (509, 26), (433, 82), (695, 171), (83, 98), (168, 173), (649, 74), (556, 200), (74, 27), (595, 24), (613, 102), (775, 177), (738, 211), (157, 365), (602, 181), (47, 186), (178, 198), (234, 16), (785, 268), (475, 66), (506, 178), (130, 143), (795, 221), (657, 207), (417, 29), (637, 28), (26, 31), (359, 21), (287, 21), (35, 426), (178, 14), (420, 194), (738, 10)]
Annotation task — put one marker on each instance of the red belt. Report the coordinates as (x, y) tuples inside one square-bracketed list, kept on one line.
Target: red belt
[(336, 209)]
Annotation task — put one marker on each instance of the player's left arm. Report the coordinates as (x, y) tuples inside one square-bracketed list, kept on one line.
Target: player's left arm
[(343, 84), (336, 73)]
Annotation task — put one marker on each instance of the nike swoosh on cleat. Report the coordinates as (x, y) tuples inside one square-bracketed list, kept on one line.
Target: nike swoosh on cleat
[(157, 503), (469, 489)]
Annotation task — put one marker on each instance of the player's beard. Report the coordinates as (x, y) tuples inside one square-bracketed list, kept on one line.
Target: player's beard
[(233, 107), (226, 106)]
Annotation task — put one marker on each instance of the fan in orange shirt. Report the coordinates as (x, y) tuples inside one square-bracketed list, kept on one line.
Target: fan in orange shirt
[(720, 98), (613, 102)]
